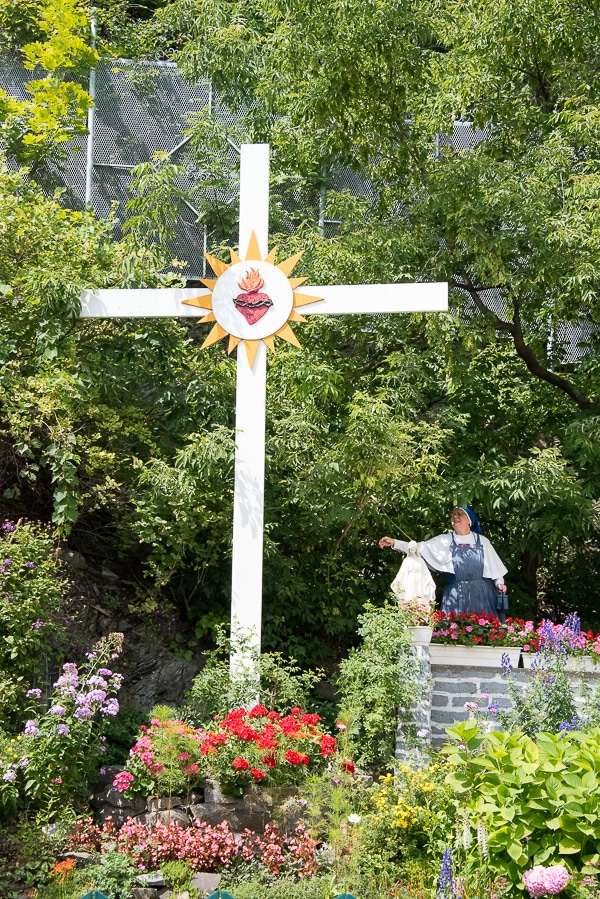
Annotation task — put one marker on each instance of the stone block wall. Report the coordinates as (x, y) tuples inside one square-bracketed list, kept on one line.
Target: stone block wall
[(451, 686)]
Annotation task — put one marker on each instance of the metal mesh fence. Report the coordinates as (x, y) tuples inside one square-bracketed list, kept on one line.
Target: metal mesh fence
[(146, 107)]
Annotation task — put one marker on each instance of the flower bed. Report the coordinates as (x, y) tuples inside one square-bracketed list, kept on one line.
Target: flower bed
[(464, 629), (567, 638), (203, 847), (258, 746)]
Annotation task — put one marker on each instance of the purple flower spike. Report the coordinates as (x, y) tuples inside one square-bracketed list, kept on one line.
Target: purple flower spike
[(9, 527), (446, 887)]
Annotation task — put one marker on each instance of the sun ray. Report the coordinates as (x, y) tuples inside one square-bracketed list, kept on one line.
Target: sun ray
[(217, 266), (204, 302), (252, 253), (208, 318), (251, 350), (270, 342), (288, 265), (271, 257), (233, 342), (209, 282), (234, 256), (305, 299), (293, 317), (286, 333), (296, 282), (216, 334)]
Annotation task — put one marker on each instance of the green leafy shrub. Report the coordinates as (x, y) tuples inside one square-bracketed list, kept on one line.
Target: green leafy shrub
[(378, 684), (177, 875), (538, 800), (114, 875), (120, 733), (30, 598), (273, 681), (320, 887)]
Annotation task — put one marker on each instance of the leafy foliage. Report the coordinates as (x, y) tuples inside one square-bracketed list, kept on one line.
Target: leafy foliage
[(29, 604), (378, 683), (537, 799)]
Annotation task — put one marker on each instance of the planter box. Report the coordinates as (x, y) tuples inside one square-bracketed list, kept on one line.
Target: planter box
[(472, 656), (574, 663)]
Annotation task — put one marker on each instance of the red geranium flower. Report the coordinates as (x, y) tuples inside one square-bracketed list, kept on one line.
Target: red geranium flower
[(240, 764), (257, 711), (296, 710), (274, 716), (328, 745), (289, 726), (269, 761), (348, 766), (296, 758), (257, 774), (310, 719)]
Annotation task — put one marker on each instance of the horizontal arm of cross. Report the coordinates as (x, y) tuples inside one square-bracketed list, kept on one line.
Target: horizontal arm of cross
[(336, 300)]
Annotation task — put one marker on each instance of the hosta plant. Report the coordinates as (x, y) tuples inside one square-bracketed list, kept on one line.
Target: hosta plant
[(538, 800)]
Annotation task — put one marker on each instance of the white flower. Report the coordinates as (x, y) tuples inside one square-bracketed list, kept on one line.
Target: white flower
[(354, 819)]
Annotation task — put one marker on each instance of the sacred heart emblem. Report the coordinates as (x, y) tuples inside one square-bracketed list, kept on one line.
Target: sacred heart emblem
[(252, 304)]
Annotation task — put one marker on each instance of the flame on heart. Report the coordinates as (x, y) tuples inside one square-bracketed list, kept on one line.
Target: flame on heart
[(252, 280)]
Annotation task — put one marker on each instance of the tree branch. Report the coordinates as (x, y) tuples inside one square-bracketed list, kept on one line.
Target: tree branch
[(526, 353)]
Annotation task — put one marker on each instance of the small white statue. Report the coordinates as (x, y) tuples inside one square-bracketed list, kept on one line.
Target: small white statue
[(414, 578)]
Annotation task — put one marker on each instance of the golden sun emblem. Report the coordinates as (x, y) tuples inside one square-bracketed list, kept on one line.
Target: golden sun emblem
[(255, 303)]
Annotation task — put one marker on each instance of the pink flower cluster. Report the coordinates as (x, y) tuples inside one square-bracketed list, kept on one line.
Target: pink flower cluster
[(279, 853), (204, 847), (541, 881), (123, 781)]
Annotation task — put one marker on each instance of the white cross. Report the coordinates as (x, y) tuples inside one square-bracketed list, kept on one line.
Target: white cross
[(248, 506)]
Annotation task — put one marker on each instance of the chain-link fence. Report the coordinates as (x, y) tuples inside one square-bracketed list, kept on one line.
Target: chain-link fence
[(142, 108)]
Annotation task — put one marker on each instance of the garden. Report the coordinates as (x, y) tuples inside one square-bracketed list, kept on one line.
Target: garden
[(446, 141), (508, 805)]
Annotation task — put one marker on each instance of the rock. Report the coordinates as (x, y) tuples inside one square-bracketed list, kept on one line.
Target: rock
[(108, 575), (159, 805), (173, 816), (112, 803), (206, 883), (76, 560), (153, 879), (156, 676), (147, 818), (110, 772), (144, 893)]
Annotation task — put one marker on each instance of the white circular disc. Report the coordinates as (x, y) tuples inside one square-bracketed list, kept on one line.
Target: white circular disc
[(276, 287)]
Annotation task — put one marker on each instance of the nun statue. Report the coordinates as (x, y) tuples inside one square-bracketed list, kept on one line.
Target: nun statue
[(474, 571)]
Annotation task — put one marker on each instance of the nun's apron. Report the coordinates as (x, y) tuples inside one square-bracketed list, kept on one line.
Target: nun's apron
[(467, 590)]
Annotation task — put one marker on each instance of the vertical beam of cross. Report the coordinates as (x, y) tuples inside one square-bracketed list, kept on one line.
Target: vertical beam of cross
[(247, 560), (250, 406)]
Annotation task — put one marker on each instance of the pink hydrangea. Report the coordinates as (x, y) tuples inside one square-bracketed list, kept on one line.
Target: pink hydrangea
[(541, 881)]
